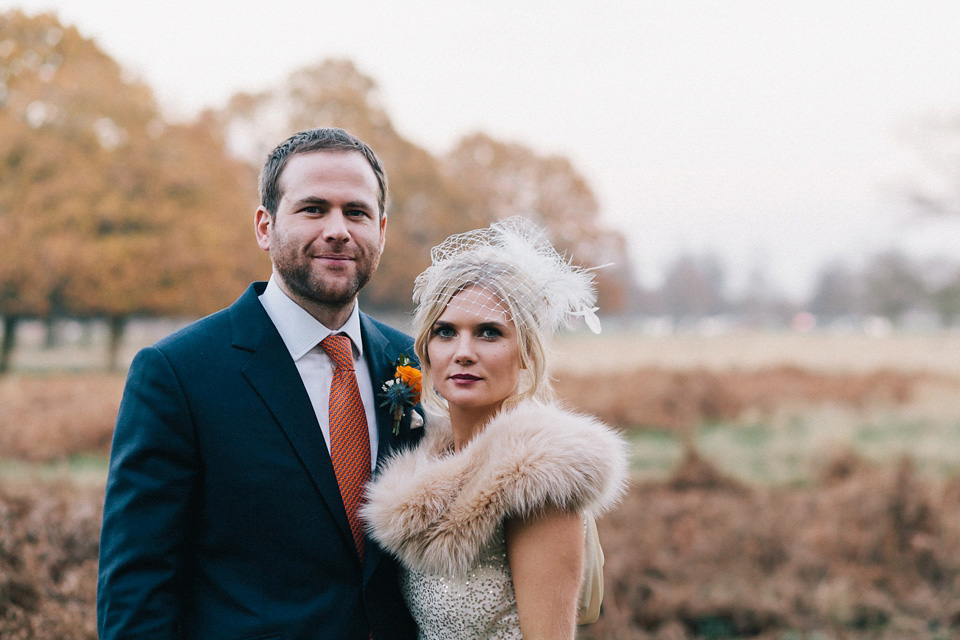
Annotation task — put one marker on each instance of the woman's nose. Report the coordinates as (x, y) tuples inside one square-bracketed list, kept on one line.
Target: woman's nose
[(464, 352)]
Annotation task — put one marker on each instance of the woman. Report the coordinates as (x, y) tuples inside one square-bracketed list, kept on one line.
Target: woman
[(487, 514)]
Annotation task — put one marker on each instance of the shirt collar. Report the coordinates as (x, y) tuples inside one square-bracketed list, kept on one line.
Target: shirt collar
[(299, 330)]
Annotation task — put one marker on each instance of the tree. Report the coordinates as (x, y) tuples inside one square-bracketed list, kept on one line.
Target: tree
[(762, 303), (838, 293), (945, 300), (111, 211), (942, 279), (503, 179), (893, 284), (693, 287), (424, 206), (480, 181)]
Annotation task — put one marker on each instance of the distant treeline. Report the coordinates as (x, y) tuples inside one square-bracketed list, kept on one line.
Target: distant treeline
[(901, 291)]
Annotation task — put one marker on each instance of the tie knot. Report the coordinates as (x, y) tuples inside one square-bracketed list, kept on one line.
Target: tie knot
[(339, 349)]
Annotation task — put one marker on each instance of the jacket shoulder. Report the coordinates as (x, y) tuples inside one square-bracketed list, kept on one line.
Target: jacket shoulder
[(392, 335), (244, 320)]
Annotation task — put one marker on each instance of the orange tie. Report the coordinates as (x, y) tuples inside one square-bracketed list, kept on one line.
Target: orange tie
[(349, 437)]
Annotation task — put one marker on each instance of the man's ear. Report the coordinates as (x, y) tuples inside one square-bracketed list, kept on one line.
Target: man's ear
[(383, 230), (263, 225)]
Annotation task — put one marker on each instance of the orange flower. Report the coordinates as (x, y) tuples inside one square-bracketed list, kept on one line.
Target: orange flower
[(411, 377)]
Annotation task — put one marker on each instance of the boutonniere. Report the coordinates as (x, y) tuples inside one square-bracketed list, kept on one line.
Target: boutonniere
[(403, 391)]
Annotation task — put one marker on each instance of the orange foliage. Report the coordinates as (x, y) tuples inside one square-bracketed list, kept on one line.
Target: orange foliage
[(106, 209)]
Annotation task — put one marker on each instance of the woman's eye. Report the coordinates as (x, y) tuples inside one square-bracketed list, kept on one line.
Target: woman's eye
[(490, 333), (443, 332)]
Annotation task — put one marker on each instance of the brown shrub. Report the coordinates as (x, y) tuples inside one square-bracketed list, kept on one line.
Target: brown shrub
[(676, 400), (874, 552), (49, 536), (695, 472), (53, 417)]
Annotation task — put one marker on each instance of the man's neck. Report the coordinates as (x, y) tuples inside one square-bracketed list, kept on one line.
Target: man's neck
[(331, 316)]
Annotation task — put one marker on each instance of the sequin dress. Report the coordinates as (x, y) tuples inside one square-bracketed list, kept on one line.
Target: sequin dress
[(478, 603), (440, 511)]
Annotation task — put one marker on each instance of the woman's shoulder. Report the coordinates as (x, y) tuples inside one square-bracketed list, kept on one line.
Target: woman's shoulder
[(554, 426), (573, 459)]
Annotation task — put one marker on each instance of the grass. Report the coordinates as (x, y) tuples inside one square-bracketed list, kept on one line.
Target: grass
[(80, 469), (791, 450)]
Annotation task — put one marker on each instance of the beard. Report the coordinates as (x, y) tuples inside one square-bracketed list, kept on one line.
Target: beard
[(330, 290)]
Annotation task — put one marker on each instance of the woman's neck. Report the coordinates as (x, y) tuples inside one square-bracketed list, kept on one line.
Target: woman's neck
[(466, 423)]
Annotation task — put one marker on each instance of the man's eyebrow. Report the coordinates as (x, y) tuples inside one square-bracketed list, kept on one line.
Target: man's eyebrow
[(316, 200), (358, 204), (310, 200)]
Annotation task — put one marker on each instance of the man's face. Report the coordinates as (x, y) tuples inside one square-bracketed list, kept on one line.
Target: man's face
[(327, 236)]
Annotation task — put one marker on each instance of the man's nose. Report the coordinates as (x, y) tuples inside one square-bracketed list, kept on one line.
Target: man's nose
[(335, 226)]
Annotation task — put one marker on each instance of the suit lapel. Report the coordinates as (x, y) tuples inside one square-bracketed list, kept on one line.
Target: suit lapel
[(374, 350), (274, 376), (377, 350)]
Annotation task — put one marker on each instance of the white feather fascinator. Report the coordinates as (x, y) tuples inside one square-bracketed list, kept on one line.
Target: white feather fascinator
[(513, 259)]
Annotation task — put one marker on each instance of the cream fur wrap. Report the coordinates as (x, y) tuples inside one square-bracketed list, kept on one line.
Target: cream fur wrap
[(434, 508)]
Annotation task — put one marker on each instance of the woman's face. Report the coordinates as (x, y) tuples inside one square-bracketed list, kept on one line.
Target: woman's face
[(474, 353)]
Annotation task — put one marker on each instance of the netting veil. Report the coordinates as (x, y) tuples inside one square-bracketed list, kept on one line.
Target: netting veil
[(518, 274)]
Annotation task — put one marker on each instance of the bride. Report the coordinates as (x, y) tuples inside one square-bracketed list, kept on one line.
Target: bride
[(488, 514)]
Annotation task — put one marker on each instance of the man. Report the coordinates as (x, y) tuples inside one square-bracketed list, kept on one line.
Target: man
[(241, 446)]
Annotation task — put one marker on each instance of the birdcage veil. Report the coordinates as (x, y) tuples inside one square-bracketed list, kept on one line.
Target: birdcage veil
[(521, 275)]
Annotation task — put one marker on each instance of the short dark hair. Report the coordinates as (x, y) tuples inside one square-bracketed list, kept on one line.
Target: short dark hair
[(319, 139)]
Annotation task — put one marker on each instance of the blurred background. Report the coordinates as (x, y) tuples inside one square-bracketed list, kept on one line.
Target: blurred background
[(774, 188)]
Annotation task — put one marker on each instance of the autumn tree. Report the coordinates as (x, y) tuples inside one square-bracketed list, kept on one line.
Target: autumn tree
[(424, 205), (502, 179), (480, 181), (110, 211)]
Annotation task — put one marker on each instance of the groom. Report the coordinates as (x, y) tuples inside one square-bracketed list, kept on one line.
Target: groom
[(243, 441)]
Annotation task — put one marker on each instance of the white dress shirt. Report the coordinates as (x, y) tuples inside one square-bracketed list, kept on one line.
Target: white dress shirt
[(302, 334)]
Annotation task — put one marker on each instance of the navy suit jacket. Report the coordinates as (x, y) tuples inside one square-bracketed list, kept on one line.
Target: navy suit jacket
[(222, 516)]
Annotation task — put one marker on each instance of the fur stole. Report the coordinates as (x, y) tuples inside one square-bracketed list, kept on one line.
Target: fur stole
[(435, 509)]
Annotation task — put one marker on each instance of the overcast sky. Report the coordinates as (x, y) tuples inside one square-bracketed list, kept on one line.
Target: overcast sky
[(778, 134)]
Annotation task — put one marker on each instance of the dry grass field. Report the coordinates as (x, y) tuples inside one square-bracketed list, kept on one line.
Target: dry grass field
[(787, 487)]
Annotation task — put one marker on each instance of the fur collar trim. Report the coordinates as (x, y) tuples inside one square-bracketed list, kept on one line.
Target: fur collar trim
[(435, 508)]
